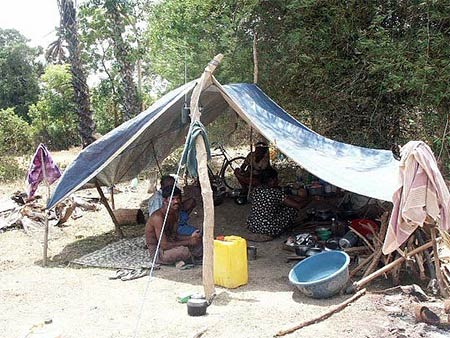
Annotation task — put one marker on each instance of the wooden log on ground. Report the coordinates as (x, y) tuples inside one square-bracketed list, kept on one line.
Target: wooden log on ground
[(326, 315)]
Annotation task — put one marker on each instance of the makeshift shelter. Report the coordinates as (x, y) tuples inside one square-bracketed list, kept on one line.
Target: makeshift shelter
[(149, 138)]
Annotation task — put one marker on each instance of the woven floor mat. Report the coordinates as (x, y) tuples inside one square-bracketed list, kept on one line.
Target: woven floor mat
[(127, 253)]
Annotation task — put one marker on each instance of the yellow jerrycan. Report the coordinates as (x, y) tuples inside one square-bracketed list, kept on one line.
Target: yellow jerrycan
[(230, 262)]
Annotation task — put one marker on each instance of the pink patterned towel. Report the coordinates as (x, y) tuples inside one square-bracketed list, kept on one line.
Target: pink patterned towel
[(421, 195), (42, 168)]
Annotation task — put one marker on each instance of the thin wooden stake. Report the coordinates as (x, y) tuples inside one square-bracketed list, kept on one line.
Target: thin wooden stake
[(44, 261)]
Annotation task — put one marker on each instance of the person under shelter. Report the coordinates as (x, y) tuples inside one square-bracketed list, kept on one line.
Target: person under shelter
[(255, 162), (272, 211), (156, 201), (173, 247)]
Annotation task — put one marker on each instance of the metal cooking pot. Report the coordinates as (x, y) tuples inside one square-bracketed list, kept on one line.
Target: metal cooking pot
[(300, 250), (332, 244), (313, 251), (197, 306)]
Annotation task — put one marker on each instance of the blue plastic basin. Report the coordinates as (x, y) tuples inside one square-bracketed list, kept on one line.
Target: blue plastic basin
[(322, 275)]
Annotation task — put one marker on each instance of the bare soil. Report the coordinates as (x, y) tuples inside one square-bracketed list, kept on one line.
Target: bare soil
[(84, 302)]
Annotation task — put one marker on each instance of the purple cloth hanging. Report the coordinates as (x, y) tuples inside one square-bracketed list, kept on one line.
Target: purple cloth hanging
[(41, 159)]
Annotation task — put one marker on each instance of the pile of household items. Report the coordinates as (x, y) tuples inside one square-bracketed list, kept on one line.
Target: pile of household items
[(20, 212), (362, 239)]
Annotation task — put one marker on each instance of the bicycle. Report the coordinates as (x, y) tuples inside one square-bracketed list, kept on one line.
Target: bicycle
[(225, 174)]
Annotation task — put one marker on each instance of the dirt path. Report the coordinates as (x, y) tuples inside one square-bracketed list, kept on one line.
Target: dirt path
[(83, 302)]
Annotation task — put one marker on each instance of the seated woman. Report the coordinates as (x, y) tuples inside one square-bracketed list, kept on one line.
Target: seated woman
[(272, 211), (254, 164)]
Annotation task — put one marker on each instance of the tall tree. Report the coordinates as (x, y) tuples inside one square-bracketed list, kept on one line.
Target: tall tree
[(369, 73), (68, 29), (19, 72), (117, 11), (191, 32), (109, 32)]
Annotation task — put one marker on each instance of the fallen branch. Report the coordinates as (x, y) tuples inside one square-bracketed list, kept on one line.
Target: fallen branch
[(326, 315)]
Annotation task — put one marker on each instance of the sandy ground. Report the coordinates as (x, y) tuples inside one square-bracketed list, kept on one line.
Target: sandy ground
[(83, 302)]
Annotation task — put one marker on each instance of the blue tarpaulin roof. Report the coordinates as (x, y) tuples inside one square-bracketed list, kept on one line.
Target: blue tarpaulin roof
[(151, 136)]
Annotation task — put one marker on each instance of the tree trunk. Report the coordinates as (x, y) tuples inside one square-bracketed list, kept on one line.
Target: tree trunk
[(86, 126), (130, 98)]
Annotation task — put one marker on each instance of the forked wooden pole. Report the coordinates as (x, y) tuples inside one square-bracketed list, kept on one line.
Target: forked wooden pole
[(205, 184), (44, 173)]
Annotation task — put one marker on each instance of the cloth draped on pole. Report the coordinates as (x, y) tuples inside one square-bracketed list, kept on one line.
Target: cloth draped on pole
[(42, 168), (190, 154), (421, 195)]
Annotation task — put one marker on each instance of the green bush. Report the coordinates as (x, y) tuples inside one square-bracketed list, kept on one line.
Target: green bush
[(54, 117), (11, 169), (15, 133)]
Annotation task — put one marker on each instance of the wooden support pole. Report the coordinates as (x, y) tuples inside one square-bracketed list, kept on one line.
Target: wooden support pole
[(208, 220), (437, 263), (44, 173), (205, 184), (119, 231), (44, 261), (113, 204)]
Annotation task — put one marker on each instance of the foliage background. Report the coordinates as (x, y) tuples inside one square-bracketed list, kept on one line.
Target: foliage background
[(373, 74)]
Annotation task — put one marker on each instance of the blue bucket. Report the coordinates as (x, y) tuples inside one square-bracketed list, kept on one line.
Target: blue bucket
[(322, 275)]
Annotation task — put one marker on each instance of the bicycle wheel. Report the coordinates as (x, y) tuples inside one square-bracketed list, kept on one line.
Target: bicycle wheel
[(228, 172)]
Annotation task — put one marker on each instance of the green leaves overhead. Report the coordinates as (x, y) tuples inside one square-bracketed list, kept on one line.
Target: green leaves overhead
[(192, 32), (19, 72)]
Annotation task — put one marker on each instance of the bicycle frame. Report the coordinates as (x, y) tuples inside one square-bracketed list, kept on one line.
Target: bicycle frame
[(226, 158)]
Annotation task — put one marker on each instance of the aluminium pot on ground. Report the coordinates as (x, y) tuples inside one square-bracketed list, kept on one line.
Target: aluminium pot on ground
[(197, 307)]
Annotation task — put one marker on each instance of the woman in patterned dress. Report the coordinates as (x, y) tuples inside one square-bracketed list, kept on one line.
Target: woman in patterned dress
[(272, 210)]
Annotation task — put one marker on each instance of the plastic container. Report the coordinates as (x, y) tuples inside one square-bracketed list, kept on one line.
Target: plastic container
[(230, 262), (322, 275)]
